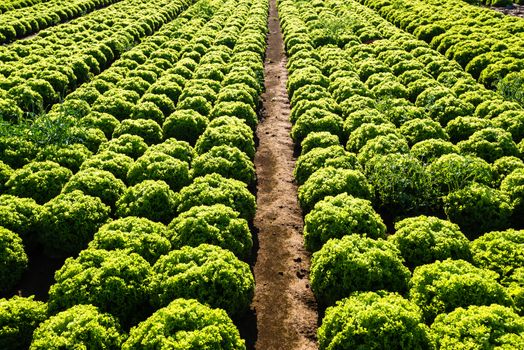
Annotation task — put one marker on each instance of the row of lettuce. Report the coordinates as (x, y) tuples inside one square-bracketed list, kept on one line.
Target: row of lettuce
[(486, 43), (391, 131), (10, 5), (150, 202), (29, 20), (39, 72)]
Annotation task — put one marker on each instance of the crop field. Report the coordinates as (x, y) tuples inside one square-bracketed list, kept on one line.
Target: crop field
[(261, 174)]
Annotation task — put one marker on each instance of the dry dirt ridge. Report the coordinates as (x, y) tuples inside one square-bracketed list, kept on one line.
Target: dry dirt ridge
[(284, 304), (514, 10)]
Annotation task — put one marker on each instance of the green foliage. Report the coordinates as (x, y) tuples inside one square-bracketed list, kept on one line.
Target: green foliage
[(489, 144), (135, 235), (69, 221), (154, 165), (305, 76), (461, 128), (315, 120), (38, 180), (400, 183), (117, 164), (504, 166), (379, 79), (511, 87), (135, 84), (447, 108), (423, 240), (229, 131), (216, 278), (86, 93), (499, 251), (364, 116), (27, 99), (103, 121), (336, 217), (80, 327), (514, 284), (368, 131), (176, 149), (374, 321), (215, 189), (452, 172), (416, 88), (13, 257), (91, 138), (15, 151), (477, 97), (383, 145), (71, 107), (162, 101), (511, 121), (464, 85), (441, 287), (117, 282), (495, 106), (389, 89), (5, 173), (19, 317), (406, 66), (20, 215), (147, 129), (310, 93), (168, 87), (411, 76), (151, 199), (356, 263), (520, 147), (69, 156), (185, 324), (334, 156), (210, 71), (493, 73), (115, 105), (513, 186), (130, 145), (332, 31), (9, 111), (229, 162), (199, 95), (371, 66), (320, 139), (237, 109), (417, 130), (148, 111), (479, 327), (185, 124), (478, 209), (428, 31), (330, 181), (215, 224), (237, 92), (428, 150), (97, 183)]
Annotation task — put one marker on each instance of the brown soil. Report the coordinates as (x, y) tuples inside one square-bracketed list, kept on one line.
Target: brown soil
[(514, 10), (284, 304)]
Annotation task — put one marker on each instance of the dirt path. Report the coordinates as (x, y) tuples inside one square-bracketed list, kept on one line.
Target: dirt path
[(284, 304), (513, 10)]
